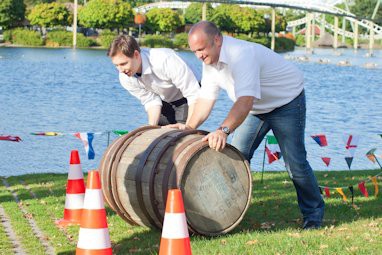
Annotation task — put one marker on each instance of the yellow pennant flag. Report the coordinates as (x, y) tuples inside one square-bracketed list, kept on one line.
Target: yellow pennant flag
[(339, 190), (374, 180)]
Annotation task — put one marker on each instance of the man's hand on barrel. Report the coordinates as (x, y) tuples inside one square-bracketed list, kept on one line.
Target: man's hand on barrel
[(180, 126), (216, 140)]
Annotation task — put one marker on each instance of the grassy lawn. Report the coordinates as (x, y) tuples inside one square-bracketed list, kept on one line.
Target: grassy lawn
[(271, 225)]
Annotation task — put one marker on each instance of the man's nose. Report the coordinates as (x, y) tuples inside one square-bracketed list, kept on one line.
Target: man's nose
[(199, 55)]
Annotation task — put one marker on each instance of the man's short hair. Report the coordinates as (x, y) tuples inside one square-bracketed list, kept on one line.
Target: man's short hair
[(208, 27), (125, 44)]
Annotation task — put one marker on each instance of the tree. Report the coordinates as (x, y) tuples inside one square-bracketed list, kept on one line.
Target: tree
[(246, 19), (50, 15), (193, 13), (106, 14), (163, 20), (365, 9), (12, 12), (222, 17)]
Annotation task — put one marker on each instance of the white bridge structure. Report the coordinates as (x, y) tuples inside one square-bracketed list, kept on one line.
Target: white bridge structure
[(315, 11)]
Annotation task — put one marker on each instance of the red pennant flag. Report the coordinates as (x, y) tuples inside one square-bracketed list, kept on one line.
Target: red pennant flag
[(363, 189), (327, 192), (320, 140), (326, 161), (10, 138)]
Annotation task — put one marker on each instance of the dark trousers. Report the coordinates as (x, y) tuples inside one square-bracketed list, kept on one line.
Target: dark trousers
[(174, 112)]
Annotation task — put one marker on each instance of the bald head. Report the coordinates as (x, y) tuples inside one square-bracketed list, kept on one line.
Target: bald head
[(205, 41), (206, 27)]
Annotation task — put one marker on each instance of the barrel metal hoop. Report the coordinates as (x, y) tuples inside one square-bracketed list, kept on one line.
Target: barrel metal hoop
[(162, 151), (130, 137), (104, 168), (138, 176), (171, 162)]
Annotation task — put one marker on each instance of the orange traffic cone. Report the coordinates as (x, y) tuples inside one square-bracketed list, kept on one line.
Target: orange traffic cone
[(75, 191), (93, 238), (175, 239)]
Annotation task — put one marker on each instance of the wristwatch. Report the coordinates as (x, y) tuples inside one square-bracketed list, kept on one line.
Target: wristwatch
[(225, 130)]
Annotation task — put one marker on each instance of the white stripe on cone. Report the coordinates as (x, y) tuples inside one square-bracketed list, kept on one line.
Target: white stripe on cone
[(74, 201), (92, 239), (174, 226), (75, 172), (93, 199)]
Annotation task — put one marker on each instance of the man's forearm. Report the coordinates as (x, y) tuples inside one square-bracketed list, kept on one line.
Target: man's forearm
[(238, 112), (200, 112), (153, 114)]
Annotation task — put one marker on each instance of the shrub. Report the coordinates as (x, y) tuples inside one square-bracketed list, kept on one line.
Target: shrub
[(181, 41), (84, 42), (157, 41), (106, 38), (59, 38), (26, 37), (284, 44), (259, 40), (7, 35)]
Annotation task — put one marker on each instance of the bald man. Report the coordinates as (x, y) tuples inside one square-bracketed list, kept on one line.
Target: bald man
[(268, 94)]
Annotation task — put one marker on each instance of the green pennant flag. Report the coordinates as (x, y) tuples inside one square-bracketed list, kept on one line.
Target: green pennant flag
[(272, 149), (370, 155), (120, 132)]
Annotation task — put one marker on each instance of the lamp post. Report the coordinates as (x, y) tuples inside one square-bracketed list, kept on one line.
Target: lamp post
[(139, 19)]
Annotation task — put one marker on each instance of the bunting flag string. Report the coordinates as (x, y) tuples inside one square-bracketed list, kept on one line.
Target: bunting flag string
[(47, 133), (349, 160), (326, 160)]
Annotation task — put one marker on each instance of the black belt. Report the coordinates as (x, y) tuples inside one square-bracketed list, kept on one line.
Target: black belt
[(179, 102)]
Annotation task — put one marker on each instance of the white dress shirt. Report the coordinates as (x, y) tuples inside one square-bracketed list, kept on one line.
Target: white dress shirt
[(250, 69), (165, 76)]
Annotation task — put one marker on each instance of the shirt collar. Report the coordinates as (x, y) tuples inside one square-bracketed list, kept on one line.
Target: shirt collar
[(223, 55), (146, 68)]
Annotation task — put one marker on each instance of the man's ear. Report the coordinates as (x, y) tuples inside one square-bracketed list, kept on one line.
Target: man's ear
[(218, 40), (137, 54)]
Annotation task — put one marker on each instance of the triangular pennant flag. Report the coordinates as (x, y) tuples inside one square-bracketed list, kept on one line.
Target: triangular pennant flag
[(374, 181), (272, 149), (326, 161), (380, 135), (352, 194), (327, 192), (363, 189), (320, 140), (120, 132), (339, 190), (349, 160), (351, 143), (370, 155), (87, 139), (320, 190), (10, 138)]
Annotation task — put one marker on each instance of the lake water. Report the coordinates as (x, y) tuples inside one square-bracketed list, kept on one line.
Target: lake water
[(69, 91)]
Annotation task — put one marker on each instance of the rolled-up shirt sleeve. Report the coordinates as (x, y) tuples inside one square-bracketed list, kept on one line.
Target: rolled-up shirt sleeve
[(181, 75), (147, 98), (246, 77)]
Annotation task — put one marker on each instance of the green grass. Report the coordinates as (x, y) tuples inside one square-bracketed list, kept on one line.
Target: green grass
[(271, 225)]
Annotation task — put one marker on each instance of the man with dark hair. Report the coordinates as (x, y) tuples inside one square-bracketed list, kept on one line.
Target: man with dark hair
[(268, 94), (159, 78)]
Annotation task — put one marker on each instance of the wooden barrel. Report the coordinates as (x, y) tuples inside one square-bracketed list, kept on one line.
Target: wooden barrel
[(137, 170)]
